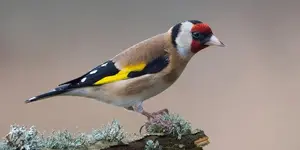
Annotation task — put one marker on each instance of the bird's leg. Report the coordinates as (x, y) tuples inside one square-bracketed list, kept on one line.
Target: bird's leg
[(138, 107), (153, 118)]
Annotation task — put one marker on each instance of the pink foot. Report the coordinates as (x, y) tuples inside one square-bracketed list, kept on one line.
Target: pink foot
[(155, 114), (161, 112), (157, 118)]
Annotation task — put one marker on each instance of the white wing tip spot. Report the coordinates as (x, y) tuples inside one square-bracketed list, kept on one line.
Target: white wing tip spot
[(103, 65), (93, 72), (32, 98), (83, 79)]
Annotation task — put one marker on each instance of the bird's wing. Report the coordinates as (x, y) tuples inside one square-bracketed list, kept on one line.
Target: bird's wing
[(136, 61), (108, 72)]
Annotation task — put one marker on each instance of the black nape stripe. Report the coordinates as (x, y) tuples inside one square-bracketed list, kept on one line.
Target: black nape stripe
[(194, 21), (154, 66), (174, 34)]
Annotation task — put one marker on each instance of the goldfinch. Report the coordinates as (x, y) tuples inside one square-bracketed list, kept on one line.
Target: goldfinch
[(142, 70)]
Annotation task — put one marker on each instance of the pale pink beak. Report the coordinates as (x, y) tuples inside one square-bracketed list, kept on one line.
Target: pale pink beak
[(214, 41)]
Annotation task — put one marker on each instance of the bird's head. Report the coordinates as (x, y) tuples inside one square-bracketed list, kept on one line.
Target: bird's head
[(191, 36)]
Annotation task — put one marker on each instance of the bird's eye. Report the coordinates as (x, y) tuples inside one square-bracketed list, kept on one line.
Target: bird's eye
[(197, 35)]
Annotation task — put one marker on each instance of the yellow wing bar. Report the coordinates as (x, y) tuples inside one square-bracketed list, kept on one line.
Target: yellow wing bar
[(122, 74)]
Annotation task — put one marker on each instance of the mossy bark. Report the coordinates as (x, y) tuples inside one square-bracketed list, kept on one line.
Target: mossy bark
[(169, 132), (193, 141)]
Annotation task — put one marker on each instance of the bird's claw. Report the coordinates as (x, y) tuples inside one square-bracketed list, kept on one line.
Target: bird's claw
[(155, 117), (161, 112), (157, 114)]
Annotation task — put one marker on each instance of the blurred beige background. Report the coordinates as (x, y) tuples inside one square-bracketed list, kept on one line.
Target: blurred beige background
[(244, 96)]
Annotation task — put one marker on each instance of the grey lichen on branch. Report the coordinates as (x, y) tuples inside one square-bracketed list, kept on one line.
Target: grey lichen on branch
[(165, 132)]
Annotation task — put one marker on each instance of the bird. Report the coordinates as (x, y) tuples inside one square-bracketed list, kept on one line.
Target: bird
[(141, 71)]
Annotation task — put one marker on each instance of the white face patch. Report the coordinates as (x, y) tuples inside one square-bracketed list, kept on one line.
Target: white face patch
[(83, 79), (184, 39), (93, 72)]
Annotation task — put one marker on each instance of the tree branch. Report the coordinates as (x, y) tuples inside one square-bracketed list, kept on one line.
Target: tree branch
[(193, 141), (168, 131)]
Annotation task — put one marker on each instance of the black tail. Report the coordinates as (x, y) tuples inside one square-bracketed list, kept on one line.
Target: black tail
[(55, 92)]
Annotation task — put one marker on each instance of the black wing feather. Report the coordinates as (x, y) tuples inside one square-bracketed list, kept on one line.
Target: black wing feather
[(106, 69), (154, 66)]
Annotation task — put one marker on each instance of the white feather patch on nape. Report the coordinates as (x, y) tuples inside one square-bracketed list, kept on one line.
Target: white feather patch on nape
[(184, 39)]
